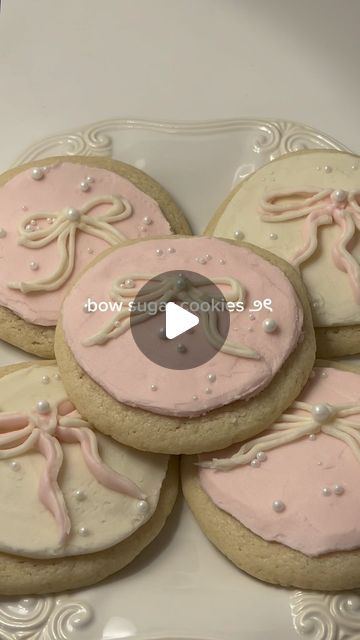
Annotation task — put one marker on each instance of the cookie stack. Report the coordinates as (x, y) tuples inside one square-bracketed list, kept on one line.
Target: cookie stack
[(270, 443)]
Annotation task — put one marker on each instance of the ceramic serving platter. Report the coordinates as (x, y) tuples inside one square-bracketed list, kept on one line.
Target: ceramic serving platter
[(181, 588)]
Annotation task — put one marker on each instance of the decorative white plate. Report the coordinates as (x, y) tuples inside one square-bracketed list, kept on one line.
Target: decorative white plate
[(181, 588)]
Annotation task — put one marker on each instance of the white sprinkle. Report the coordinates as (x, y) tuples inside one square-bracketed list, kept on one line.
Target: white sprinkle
[(84, 185), (24, 207), (37, 173), (208, 256), (73, 214), (180, 348), (324, 374), (171, 250), (274, 236), (269, 325), (80, 495), (201, 260), (57, 376), (142, 507), (195, 398), (222, 261), (147, 220), (312, 436), (211, 377), (90, 250), (83, 531), (43, 407), (89, 179), (238, 235), (159, 252), (278, 506), (129, 284), (339, 489), (327, 169), (208, 390), (50, 221), (261, 456), (255, 463), (33, 266), (15, 466), (45, 379), (153, 387), (354, 167), (326, 492)]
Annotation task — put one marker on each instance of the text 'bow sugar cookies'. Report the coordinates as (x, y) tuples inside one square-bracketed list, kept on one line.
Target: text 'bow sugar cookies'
[(54, 220), (249, 354), (305, 208), (284, 506), (75, 505)]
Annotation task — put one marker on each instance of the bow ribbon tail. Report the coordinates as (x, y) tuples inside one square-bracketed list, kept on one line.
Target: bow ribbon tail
[(343, 258), (104, 474), (49, 490), (103, 230), (312, 223)]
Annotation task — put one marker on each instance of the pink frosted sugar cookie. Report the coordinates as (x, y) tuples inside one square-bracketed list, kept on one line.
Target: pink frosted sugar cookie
[(288, 500), (262, 365), (76, 506), (54, 220)]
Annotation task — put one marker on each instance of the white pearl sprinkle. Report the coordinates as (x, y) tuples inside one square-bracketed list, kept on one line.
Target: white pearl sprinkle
[(274, 236), (24, 207), (255, 463), (84, 185), (269, 325), (33, 266), (339, 489), (195, 398), (326, 492), (221, 261), (147, 220), (2, 232), (261, 456), (153, 387), (89, 179), (238, 235), (142, 228), (312, 436), (201, 260), (159, 252), (252, 316), (43, 407), (37, 173), (208, 390), (354, 167), (322, 412), (45, 380), (278, 506), (181, 348), (324, 374), (15, 466), (327, 169), (208, 256), (171, 250), (83, 531), (29, 228), (339, 195), (73, 214), (80, 495), (129, 283), (90, 250), (57, 376), (142, 507), (50, 221), (211, 377)]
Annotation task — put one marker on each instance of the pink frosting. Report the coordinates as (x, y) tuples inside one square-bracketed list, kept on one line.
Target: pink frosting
[(60, 188), (296, 474), (126, 374)]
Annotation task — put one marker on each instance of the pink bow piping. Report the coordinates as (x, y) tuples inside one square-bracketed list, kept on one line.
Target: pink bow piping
[(21, 432), (320, 207)]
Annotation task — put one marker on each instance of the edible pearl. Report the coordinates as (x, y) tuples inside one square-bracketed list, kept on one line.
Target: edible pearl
[(37, 173), (312, 436), (2, 232), (180, 348), (208, 390), (354, 167), (129, 284), (321, 412), (90, 250), (255, 463), (89, 179), (269, 325), (326, 492), (324, 374), (15, 466), (80, 495), (208, 256), (327, 169), (238, 235), (278, 506), (45, 380), (340, 195), (261, 455), (43, 407), (195, 398), (211, 377), (73, 214), (201, 260), (24, 207), (84, 186), (159, 252), (147, 220), (222, 261), (339, 489), (171, 250), (83, 531), (50, 221), (142, 507), (33, 266), (153, 387), (57, 376)]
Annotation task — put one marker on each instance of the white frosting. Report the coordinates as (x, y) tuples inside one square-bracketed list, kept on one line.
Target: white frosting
[(328, 286), (106, 517)]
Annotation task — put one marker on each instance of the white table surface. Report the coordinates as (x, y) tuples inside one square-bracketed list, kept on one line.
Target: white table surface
[(67, 62)]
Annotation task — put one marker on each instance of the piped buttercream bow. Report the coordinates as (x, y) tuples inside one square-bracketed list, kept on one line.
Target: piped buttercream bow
[(63, 228), (163, 289), (23, 432), (320, 207), (334, 421)]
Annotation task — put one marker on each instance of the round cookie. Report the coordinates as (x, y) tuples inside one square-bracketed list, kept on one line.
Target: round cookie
[(56, 216), (232, 396), (305, 208), (76, 506), (284, 507)]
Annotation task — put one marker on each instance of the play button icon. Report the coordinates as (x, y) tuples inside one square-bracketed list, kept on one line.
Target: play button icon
[(178, 320)]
